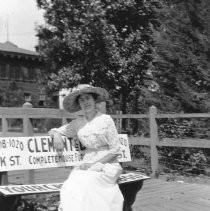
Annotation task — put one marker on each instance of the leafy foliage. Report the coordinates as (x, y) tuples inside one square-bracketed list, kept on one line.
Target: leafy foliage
[(102, 42), (181, 57), (175, 128), (124, 45), (183, 160), (41, 202), (144, 52)]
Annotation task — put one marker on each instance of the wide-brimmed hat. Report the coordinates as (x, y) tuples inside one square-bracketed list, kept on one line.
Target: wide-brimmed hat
[(70, 103)]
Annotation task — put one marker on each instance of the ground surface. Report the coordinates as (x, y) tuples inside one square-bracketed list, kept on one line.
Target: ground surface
[(50, 202)]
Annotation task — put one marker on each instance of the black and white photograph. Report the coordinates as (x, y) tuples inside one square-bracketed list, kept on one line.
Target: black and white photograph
[(104, 105)]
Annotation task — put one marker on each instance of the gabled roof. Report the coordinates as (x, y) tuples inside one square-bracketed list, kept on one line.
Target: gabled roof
[(9, 47)]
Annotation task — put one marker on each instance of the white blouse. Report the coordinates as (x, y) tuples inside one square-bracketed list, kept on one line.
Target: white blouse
[(99, 136)]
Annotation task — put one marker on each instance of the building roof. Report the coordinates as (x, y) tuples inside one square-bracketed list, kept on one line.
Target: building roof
[(10, 48)]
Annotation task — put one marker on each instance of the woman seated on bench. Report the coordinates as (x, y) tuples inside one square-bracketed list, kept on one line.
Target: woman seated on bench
[(91, 186)]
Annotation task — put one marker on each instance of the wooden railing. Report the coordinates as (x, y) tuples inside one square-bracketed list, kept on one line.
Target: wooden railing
[(27, 113)]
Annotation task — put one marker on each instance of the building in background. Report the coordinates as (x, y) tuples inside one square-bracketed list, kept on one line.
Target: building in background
[(20, 70)]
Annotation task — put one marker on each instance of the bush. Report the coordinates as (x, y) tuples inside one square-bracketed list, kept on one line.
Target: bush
[(187, 160)]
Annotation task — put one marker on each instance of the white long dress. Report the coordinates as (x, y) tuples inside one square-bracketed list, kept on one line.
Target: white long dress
[(94, 189)]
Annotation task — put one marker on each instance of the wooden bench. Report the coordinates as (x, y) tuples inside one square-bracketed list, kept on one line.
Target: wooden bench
[(37, 152)]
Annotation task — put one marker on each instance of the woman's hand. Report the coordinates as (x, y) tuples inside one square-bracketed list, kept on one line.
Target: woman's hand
[(96, 166), (85, 166)]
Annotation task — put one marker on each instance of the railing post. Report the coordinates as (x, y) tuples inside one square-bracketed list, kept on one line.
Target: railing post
[(4, 175), (154, 139), (119, 122), (28, 131)]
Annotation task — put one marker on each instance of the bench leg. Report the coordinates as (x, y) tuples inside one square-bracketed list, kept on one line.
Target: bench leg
[(129, 191), (9, 203)]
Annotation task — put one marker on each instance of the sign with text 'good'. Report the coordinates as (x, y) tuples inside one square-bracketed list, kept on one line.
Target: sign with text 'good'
[(19, 153)]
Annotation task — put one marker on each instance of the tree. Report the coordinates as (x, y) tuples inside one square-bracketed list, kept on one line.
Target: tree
[(181, 65), (102, 42)]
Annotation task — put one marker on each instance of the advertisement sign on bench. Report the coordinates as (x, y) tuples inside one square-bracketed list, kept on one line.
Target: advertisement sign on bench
[(20, 153)]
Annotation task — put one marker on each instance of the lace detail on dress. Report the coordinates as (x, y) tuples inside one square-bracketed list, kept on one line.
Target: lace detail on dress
[(100, 132)]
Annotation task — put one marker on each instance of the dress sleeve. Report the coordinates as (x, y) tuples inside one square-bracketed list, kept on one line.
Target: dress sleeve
[(68, 130), (112, 137)]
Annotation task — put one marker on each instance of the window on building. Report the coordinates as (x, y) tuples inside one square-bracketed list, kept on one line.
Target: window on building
[(31, 74), (41, 103), (27, 97), (38, 71), (17, 73), (3, 71), (42, 99), (24, 73), (11, 72)]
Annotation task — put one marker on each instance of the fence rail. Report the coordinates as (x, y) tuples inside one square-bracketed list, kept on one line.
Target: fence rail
[(27, 113)]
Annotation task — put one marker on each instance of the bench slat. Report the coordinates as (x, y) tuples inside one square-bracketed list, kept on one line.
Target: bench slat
[(55, 187)]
